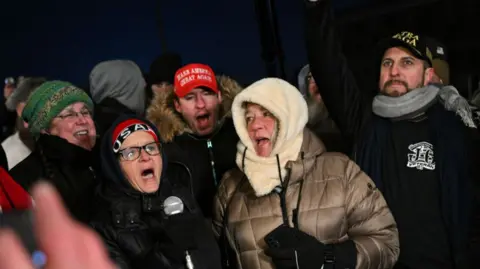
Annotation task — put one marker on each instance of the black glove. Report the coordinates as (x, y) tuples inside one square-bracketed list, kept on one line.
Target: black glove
[(182, 230), (306, 252), (303, 252)]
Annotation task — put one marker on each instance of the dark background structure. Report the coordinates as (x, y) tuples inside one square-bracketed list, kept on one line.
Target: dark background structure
[(64, 40)]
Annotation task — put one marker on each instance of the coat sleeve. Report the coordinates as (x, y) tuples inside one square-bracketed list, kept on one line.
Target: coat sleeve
[(371, 224), (116, 254), (347, 104)]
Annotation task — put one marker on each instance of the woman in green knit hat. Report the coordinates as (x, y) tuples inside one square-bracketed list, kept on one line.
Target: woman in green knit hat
[(59, 115)]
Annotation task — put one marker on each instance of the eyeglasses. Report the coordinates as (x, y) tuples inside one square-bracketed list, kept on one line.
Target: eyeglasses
[(74, 115), (133, 153)]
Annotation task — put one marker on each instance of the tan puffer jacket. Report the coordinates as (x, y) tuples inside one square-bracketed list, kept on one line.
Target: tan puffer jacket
[(339, 202)]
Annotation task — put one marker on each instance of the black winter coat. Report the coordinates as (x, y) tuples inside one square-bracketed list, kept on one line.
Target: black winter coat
[(138, 234), (68, 167)]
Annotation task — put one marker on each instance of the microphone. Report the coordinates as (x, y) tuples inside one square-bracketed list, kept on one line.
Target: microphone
[(172, 206)]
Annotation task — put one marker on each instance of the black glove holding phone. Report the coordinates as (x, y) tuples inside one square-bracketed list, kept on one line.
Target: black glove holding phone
[(291, 248)]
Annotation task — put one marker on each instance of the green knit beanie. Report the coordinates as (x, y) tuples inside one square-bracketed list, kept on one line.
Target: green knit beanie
[(48, 100)]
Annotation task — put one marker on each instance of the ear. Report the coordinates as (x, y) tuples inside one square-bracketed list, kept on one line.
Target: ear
[(177, 105), (428, 76), (19, 108), (219, 94)]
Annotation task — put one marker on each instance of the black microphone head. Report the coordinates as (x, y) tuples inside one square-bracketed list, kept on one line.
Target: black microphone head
[(172, 206)]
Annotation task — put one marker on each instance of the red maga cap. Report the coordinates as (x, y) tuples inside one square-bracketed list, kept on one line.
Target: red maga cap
[(194, 76)]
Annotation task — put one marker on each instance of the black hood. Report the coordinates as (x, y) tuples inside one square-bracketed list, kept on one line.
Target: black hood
[(109, 161)]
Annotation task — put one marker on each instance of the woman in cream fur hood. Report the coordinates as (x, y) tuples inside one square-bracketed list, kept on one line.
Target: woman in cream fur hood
[(290, 204)]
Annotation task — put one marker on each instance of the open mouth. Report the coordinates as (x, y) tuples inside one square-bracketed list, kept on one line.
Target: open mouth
[(262, 141), (203, 119), (147, 173), (81, 133)]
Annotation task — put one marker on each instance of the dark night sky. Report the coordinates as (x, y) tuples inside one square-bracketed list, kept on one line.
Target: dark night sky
[(64, 40)]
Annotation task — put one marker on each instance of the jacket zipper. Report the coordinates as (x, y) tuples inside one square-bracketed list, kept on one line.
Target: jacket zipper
[(212, 161), (92, 171)]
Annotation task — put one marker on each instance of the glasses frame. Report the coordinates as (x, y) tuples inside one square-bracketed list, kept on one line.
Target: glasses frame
[(75, 115), (139, 150)]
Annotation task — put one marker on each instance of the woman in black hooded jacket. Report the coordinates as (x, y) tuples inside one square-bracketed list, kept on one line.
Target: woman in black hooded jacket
[(137, 228)]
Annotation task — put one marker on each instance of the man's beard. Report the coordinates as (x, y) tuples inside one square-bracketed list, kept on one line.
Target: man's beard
[(319, 119), (25, 134), (317, 112), (397, 94)]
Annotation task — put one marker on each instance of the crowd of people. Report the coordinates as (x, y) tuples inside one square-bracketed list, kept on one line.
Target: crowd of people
[(185, 168)]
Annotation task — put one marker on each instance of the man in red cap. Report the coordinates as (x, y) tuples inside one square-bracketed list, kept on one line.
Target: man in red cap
[(194, 114), (198, 97)]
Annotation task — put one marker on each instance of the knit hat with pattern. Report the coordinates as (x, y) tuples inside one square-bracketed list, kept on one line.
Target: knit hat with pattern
[(48, 100)]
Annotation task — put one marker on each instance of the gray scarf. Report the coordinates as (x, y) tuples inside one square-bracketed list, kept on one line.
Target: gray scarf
[(416, 102)]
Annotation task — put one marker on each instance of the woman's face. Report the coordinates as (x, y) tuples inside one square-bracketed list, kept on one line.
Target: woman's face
[(75, 124), (261, 126), (141, 162)]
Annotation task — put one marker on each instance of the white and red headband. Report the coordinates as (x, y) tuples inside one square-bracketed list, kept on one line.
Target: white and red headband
[(128, 127)]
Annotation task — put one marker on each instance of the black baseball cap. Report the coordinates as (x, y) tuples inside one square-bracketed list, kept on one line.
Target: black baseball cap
[(438, 49), (416, 44), (439, 59)]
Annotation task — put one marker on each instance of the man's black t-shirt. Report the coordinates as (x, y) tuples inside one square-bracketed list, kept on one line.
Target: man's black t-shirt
[(413, 193)]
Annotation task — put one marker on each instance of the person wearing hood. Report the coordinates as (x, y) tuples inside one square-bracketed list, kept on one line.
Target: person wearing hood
[(415, 138), (319, 121), (194, 119), (19, 145), (289, 203), (140, 227), (116, 87), (59, 117)]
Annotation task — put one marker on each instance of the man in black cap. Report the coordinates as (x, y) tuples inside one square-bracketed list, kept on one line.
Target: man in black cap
[(406, 64), (415, 138), (162, 71), (439, 61)]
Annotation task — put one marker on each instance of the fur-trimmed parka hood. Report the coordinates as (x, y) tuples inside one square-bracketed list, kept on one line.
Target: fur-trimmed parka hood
[(169, 122)]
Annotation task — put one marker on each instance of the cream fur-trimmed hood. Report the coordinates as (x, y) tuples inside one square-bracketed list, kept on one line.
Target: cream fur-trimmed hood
[(286, 103), (161, 111)]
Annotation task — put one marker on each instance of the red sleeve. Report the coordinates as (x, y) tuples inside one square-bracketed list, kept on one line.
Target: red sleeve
[(12, 195)]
